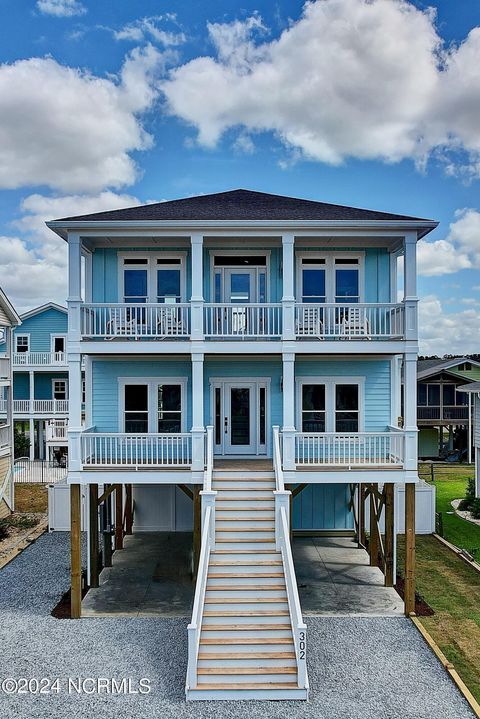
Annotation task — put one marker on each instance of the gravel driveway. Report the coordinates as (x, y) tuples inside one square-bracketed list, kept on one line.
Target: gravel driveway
[(359, 668)]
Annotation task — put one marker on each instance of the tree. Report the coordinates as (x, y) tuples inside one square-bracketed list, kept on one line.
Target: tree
[(21, 444)]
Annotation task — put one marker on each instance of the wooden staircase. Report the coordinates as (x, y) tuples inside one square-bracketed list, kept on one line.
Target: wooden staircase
[(246, 648)]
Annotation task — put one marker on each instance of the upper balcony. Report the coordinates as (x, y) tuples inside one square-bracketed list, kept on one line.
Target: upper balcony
[(39, 359), (444, 413), (4, 369)]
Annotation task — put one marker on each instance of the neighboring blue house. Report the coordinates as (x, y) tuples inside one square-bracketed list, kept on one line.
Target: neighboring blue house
[(251, 346), (40, 375)]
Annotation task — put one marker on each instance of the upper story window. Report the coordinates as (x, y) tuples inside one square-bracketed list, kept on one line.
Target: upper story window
[(153, 279), (60, 388), (330, 279), (465, 367), (22, 343), (153, 406), (240, 279)]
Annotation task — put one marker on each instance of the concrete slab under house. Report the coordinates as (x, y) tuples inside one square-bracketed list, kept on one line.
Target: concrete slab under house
[(245, 424)]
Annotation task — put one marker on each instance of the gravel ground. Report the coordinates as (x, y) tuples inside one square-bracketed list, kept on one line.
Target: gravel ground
[(359, 668)]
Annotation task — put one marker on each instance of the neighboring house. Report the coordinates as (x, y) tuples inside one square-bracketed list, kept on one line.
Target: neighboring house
[(8, 320), (40, 376), (241, 343), (444, 414), (472, 391)]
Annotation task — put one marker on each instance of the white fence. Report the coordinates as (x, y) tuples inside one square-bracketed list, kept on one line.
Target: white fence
[(111, 449), (245, 321), (41, 359), (362, 449), (349, 321), (137, 321)]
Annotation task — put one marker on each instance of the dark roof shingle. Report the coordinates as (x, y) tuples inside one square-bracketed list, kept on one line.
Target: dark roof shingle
[(239, 205)]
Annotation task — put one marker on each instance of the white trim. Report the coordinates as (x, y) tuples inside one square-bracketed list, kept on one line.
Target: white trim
[(217, 252), (152, 262), (330, 383), (152, 384), (16, 337), (43, 308), (329, 257)]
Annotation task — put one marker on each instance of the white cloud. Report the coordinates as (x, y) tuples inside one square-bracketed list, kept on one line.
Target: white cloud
[(68, 129), (34, 266), (61, 8), (460, 250), (369, 79), (447, 333), (147, 28)]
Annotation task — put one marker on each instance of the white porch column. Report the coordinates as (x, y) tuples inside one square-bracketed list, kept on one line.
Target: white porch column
[(410, 286), (74, 287), (288, 295), (469, 432), (197, 287), (74, 411), (31, 390), (198, 429), (410, 411), (288, 395), (31, 428), (73, 352)]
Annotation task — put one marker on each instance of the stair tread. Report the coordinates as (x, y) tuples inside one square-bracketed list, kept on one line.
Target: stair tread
[(237, 530), (245, 587), (246, 670), (246, 600), (247, 613), (237, 509), (244, 575), (246, 563), (245, 551), (247, 640), (246, 627), (244, 687), (246, 655), (245, 541)]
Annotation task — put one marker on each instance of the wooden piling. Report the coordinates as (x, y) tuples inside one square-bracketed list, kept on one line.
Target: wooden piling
[(75, 552)]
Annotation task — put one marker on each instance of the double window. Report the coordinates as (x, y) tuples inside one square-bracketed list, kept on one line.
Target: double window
[(429, 395), (153, 406), (336, 279), (330, 406), (22, 343), (153, 279)]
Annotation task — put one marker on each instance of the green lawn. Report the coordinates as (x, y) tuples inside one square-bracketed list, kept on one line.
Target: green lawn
[(451, 483), (452, 589)]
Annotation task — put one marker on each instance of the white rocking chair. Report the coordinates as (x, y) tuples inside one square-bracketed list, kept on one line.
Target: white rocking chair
[(309, 323), (122, 322), (354, 323)]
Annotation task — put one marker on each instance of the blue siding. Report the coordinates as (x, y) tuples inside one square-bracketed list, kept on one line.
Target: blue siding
[(322, 506), (40, 328), (42, 384), (21, 386), (105, 376), (377, 384)]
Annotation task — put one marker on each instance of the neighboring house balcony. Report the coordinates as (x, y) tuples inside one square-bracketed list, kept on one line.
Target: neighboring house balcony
[(434, 414), (234, 321), (39, 359), (56, 431), (5, 438), (4, 369), (43, 408)]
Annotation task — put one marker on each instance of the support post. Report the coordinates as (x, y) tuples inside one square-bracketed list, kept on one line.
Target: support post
[(93, 534), (119, 516), (409, 597), (361, 539), (410, 412), (373, 543), (288, 429), (31, 430), (288, 297), (198, 429), (196, 299), (389, 533), (107, 530), (128, 509), (75, 553), (197, 530)]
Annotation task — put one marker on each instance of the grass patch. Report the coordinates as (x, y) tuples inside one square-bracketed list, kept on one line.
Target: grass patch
[(456, 530), (31, 497), (452, 589)]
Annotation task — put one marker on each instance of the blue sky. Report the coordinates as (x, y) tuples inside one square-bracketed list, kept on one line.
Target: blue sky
[(103, 104)]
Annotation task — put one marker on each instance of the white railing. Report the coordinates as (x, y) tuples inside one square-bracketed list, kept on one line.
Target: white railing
[(277, 461), (5, 435), (137, 321), (110, 449), (350, 321), (299, 628), (56, 430), (41, 359), (4, 368), (253, 321), (360, 449), (36, 406), (195, 627), (207, 482)]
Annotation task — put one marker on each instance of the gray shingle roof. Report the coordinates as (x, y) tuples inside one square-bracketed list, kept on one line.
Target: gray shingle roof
[(240, 205)]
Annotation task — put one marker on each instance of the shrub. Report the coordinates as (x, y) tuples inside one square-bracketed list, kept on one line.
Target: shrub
[(3, 529), (21, 444), (467, 503), (475, 509)]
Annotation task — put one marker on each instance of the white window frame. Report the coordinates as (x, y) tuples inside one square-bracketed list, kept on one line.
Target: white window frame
[(238, 253), (152, 384), (22, 335), (154, 259), (53, 337), (330, 393), (330, 267), (65, 382)]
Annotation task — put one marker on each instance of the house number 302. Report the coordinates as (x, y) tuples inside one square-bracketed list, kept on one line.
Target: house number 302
[(302, 645)]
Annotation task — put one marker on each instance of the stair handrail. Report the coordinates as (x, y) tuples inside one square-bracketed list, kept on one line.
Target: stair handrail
[(299, 628), (195, 627), (277, 461), (207, 477)]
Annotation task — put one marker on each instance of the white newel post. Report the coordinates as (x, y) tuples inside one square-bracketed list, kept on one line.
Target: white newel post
[(74, 356), (410, 287), (198, 429), (197, 287), (410, 410), (288, 394), (288, 295)]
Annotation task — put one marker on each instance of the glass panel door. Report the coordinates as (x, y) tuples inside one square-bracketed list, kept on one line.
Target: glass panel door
[(240, 419)]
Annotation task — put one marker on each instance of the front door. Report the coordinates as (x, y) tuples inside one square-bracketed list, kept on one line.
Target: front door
[(240, 418)]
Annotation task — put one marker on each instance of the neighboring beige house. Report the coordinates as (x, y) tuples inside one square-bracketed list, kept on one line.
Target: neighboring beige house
[(8, 320)]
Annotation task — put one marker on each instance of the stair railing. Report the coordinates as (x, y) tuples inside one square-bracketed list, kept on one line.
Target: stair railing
[(282, 496), (299, 628), (207, 481)]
